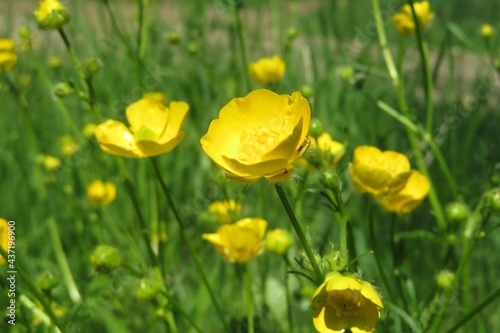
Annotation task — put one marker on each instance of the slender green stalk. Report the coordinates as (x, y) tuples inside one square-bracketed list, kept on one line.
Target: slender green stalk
[(135, 202), (63, 262), (298, 230), (426, 70), (180, 220), (241, 37), (475, 311), (403, 105), (117, 29), (142, 35), (74, 59), (181, 311), (26, 302), (289, 312), (32, 287), (249, 295)]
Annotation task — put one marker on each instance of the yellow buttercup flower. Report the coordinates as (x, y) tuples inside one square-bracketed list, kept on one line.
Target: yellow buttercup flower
[(378, 172), (51, 163), (4, 237), (409, 197), (101, 194), (8, 57), (278, 241), (68, 145), (259, 135), (241, 241), (343, 302), (55, 62), (225, 210), (404, 22), (267, 70), (51, 14), (486, 31), (154, 129)]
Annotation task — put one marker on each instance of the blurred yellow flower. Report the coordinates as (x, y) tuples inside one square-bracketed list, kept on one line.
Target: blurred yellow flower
[(259, 135), (4, 237), (267, 70), (409, 197), (51, 14), (156, 96), (55, 62), (343, 302), (154, 129), (331, 151), (68, 145), (8, 57), (378, 172), (278, 241), (51, 163), (240, 241), (486, 31), (225, 211), (404, 23), (89, 130), (101, 194)]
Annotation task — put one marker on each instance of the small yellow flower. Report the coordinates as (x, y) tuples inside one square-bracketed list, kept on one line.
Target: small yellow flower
[(8, 57), (267, 70), (404, 23), (101, 194), (378, 172), (331, 151), (278, 241), (68, 145), (51, 14), (154, 129), (409, 197), (259, 135), (343, 302), (225, 210), (55, 62), (89, 130), (4, 238), (486, 31), (241, 241), (51, 163)]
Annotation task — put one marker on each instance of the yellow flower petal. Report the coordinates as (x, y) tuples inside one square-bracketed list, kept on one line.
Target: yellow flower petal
[(176, 115), (152, 148), (267, 70), (115, 138), (147, 113)]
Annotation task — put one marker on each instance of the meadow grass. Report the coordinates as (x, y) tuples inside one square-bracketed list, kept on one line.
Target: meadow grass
[(400, 255)]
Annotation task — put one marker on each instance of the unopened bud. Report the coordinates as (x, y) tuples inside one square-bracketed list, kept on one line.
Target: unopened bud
[(457, 211), (492, 199), (486, 31), (63, 90), (445, 279), (51, 14), (292, 32), (47, 280), (146, 289), (316, 128), (174, 38), (192, 48), (306, 263), (105, 258), (331, 179), (346, 73), (278, 241), (91, 67), (335, 261), (306, 91)]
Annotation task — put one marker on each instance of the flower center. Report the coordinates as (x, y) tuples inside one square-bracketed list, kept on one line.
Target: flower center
[(254, 144), (346, 302)]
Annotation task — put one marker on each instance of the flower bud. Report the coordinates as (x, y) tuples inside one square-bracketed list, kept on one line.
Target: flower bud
[(174, 38), (146, 289), (496, 64), (316, 128), (105, 258), (335, 261), (55, 62), (192, 48), (51, 14), (457, 211), (346, 73), (492, 199), (331, 179), (278, 241), (306, 263), (292, 33), (445, 279), (486, 31), (47, 280), (25, 33), (91, 67), (306, 91), (89, 130), (451, 239), (63, 90)]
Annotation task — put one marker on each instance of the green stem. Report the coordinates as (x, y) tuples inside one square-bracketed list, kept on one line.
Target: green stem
[(118, 31), (180, 220), (403, 105), (288, 298), (74, 59), (241, 37), (142, 36), (135, 202), (63, 263), (31, 286), (424, 57), (249, 295), (475, 311), (298, 230)]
